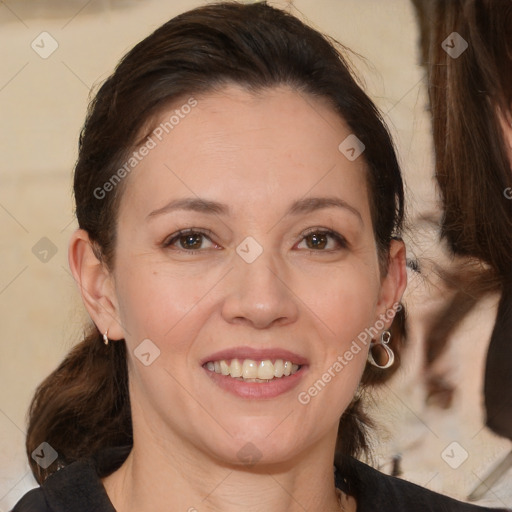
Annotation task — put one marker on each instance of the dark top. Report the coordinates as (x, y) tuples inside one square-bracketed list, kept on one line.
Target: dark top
[(78, 488), (498, 366)]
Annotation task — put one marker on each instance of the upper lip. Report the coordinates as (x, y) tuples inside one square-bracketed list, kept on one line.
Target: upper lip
[(256, 355)]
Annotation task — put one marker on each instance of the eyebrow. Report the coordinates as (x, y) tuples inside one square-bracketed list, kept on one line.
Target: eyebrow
[(301, 206), (310, 204), (192, 204)]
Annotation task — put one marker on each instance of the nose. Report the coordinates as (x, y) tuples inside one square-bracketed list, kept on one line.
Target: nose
[(259, 294)]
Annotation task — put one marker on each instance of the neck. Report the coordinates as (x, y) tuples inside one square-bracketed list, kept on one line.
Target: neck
[(155, 479)]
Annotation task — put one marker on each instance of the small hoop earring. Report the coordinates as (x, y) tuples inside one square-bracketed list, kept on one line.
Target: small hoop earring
[(105, 337), (385, 338)]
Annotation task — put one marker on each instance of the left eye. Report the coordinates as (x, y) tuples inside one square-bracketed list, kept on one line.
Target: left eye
[(190, 241), (322, 240)]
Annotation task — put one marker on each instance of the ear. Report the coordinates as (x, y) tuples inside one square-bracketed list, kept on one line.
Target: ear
[(394, 282), (96, 284)]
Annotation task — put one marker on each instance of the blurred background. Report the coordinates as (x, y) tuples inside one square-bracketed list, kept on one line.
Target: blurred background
[(53, 53)]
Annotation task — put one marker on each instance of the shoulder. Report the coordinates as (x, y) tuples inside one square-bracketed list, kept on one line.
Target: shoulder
[(32, 501), (374, 490), (74, 488)]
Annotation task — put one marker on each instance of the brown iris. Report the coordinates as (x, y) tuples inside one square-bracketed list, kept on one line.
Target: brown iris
[(316, 240), (191, 241)]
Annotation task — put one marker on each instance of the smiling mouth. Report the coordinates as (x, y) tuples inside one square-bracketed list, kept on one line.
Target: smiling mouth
[(250, 370)]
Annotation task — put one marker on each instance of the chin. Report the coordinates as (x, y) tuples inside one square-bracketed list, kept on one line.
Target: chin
[(257, 446)]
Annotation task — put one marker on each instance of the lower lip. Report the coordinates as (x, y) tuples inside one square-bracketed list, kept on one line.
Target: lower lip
[(257, 390)]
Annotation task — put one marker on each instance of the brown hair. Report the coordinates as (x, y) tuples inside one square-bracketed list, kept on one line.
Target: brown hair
[(472, 165), (83, 406), (473, 169)]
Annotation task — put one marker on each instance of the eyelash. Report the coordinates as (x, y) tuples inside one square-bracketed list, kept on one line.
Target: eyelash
[(190, 231), (342, 242)]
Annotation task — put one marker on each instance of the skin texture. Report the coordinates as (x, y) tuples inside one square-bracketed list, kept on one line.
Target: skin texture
[(256, 154)]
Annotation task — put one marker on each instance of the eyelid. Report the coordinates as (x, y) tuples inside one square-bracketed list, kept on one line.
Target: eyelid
[(170, 239), (342, 241)]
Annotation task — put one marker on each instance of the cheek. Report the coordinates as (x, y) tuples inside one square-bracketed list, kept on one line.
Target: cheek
[(155, 302), (343, 298), (343, 304), (344, 314)]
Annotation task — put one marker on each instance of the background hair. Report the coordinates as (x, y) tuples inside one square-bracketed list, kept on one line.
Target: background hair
[(83, 406), (473, 168), (471, 161)]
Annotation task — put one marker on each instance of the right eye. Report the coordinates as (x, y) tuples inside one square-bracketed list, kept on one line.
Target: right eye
[(190, 241)]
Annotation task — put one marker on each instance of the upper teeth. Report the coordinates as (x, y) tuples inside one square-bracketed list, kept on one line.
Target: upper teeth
[(251, 369)]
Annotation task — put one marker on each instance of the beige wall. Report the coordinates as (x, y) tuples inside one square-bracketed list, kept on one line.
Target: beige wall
[(42, 104)]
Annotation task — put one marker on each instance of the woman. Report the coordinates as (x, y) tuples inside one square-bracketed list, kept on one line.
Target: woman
[(240, 204)]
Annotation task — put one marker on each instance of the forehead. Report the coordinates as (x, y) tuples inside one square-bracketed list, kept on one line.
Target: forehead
[(237, 145)]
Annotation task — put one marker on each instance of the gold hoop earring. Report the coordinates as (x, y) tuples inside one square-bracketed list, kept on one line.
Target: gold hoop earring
[(105, 337), (385, 338)]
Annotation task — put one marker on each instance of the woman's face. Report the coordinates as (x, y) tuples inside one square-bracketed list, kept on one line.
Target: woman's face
[(276, 261)]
